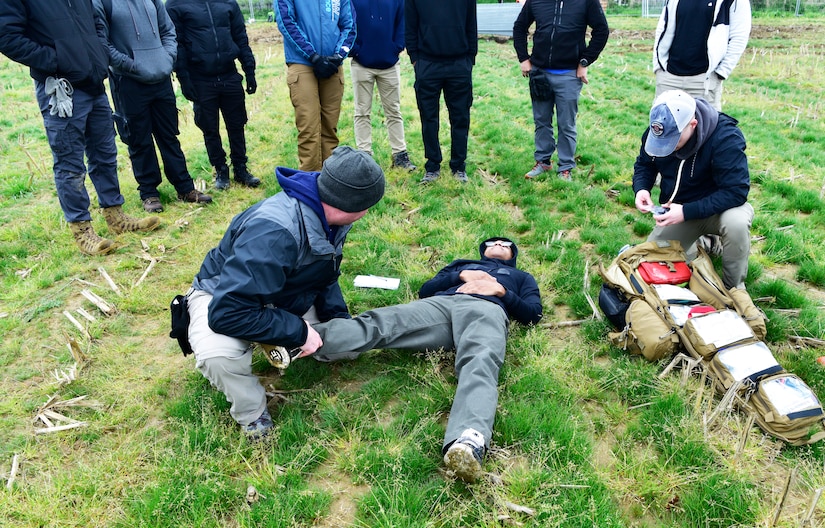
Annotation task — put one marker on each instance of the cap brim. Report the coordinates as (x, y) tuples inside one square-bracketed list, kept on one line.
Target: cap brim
[(659, 147)]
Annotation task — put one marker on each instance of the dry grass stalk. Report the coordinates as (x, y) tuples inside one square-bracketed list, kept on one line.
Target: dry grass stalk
[(808, 519), (74, 348), (86, 315), (75, 322), (101, 304), (109, 281), (15, 465), (807, 341), (785, 490), (743, 438)]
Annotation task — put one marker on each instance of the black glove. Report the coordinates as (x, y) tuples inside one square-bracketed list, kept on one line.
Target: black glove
[(187, 88), (251, 84), (337, 60), (322, 67)]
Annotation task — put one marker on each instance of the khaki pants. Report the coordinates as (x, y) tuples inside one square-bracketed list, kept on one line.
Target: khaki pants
[(695, 85), (733, 226), (317, 104), (388, 82)]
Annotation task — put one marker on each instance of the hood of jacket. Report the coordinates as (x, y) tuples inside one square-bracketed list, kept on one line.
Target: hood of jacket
[(509, 262)]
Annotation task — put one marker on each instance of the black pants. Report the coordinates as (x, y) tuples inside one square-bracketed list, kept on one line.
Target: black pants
[(224, 94), (141, 112), (455, 79)]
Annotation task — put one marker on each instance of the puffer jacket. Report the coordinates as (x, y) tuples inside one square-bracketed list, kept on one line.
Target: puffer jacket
[(211, 35), (522, 301), (274, 263), (139, 37), (55, 38)]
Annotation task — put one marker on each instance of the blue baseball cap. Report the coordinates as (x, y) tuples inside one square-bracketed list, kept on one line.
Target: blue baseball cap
[(671, 113)]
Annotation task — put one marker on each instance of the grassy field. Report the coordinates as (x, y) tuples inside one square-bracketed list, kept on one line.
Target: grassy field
[(585, 435)]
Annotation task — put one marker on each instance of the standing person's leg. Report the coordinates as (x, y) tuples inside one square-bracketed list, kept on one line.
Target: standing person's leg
[(428, 87), (303, 92), (330, 92), (164, 114), (713, 91), (134, 102), (389, 90), (101, 154), (233, 109), (363, 81), (458, 96), (68, 144), (567, 88), (206, 108), (544, 138), (693, 84)]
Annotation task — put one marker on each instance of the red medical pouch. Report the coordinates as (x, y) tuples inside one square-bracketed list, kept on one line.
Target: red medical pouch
[(664, 272)]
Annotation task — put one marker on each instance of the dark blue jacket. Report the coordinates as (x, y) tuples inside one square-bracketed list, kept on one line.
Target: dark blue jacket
[(714, 168), (274, 263), (380, 33), (315, 26), (522, 301), (55, 39), (211, 35)]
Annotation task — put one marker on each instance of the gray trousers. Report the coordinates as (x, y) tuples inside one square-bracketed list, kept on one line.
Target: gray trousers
[(733, 226), (475, 328), (566, 89)]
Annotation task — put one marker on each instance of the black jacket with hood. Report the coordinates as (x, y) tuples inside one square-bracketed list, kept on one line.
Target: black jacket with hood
[(522, 301), (55, 38), (709, 175), (561, 27)]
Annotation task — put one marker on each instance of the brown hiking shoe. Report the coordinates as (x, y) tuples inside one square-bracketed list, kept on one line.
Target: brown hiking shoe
[(88, 241), (152, 205), (195, 196), (120, 222)]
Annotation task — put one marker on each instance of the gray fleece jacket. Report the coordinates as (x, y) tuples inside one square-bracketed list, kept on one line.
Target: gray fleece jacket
[(139, 38)]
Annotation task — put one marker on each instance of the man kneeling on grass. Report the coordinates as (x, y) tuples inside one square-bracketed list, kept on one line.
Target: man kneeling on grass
[(465, 307)]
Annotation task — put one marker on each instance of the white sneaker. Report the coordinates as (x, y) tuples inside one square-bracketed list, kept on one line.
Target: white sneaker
[(464, 456)]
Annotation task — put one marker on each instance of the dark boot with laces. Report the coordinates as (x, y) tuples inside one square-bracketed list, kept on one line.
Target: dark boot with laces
[(243, 177), (222, 178), (401, 160)]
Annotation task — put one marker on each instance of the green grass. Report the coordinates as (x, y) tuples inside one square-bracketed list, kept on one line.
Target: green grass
[(585, 435)]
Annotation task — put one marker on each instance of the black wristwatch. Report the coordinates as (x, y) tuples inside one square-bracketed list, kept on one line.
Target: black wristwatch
[(584, 62)]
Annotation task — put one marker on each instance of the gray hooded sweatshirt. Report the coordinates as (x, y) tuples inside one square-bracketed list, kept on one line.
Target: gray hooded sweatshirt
[(139, 38)]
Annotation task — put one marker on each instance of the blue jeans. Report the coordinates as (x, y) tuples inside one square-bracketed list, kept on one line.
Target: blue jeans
[(88, 131), (565, 90)]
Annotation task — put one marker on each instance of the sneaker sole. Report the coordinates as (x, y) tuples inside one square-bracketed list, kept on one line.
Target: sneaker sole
[(460, 460)]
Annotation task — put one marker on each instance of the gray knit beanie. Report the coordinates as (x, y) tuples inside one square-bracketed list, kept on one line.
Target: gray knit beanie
[(350, 180)]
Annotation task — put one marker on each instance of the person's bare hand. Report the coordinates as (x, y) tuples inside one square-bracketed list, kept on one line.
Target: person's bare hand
[(525, 67), (472, 275), (313, 342), (675, 216), (643, 201), (483, 287)]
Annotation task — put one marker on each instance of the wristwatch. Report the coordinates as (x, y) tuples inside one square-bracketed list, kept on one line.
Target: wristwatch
[(584, 62)]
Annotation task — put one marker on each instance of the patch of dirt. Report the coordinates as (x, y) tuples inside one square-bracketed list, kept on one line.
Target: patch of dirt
[(344, 495)]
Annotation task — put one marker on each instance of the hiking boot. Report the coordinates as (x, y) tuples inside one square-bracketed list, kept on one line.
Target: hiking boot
[(88, 241), (565, 175), (260, 428), (119, 222), (464, 456), (195, 196), (152, 205), (402, 161), (538, 169), (461, 176), (431, 176), (278, 356), (222, 178), (243, 177)]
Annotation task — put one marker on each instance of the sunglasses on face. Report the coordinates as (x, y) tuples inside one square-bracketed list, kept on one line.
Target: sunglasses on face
[(502, 243)]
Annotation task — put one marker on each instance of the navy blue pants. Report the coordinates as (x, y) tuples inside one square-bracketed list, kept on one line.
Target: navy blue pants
[(88, 132)]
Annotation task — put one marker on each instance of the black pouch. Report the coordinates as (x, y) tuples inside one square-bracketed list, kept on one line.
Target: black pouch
[(179, 311), (540, 89), (614, 305)]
